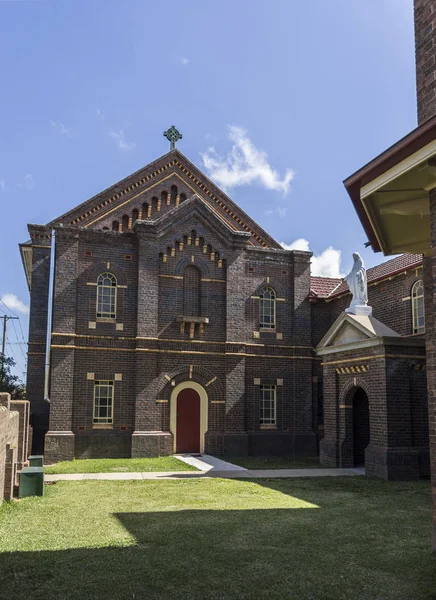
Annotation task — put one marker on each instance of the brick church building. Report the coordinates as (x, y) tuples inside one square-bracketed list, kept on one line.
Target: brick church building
[(179, 325)]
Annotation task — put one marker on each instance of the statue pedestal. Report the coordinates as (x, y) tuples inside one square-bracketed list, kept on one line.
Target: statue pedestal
[(359, 310)]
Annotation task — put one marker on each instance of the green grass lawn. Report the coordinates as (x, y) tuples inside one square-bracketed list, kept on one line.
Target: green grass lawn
[(274, 462), (215, 539), (119, 465)]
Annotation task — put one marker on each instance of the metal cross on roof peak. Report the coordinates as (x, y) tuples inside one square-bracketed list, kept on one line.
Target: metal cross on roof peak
[(173, 136)]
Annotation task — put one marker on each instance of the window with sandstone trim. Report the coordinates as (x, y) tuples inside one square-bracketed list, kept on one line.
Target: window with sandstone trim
[(418, 317), (191, 292), (267, 308), (268, 404), (103, 402), (106, 296)]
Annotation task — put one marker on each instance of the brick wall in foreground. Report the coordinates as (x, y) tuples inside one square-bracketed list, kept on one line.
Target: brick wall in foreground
[(14, 440)]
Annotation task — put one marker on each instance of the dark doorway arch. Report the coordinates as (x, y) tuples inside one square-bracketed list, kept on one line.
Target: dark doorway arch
[(361, 426), (188, 421)]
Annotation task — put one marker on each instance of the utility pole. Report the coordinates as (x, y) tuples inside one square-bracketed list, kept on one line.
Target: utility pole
[(3, 356)]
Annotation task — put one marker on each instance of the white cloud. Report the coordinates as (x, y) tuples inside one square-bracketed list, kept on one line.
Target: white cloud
[(2, 185), (60, 127), (244, 165), (280, 211), (100, 115), (28, 183), (326, 264), (120, 138), (184, 61), (15, 304)]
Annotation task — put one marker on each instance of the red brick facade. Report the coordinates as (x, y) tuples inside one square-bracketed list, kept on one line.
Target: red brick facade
[(151, 346), (148, 237)]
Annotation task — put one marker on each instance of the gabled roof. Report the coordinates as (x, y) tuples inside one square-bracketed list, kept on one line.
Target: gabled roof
[(172, 163), (353, 331), (328, 287)]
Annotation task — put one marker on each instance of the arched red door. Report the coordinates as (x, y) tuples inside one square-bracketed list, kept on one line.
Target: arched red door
[(188, 421)]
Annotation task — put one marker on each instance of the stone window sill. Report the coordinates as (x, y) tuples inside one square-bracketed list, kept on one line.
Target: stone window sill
[(200, 320), (268, 427), (102, 426)]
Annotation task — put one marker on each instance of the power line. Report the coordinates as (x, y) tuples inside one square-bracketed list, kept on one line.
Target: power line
[(22, 351), (10, 309)]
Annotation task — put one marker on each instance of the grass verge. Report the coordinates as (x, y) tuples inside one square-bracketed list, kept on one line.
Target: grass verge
[(214, 539), (119, 465)]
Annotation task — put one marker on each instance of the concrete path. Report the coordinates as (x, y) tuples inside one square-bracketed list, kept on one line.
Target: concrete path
[(226, 474), (205, 462)]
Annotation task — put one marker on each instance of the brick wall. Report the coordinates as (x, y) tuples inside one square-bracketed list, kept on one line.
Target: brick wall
[(392, 375), (430, 304), (145, 345), (425, 48), (14, 437)]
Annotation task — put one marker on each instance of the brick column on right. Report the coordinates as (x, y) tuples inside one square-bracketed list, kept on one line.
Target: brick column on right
[(430, 340), (425, 49), (425, 57)]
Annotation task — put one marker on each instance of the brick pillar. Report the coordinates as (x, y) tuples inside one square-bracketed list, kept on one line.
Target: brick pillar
[(302, 425), (41, 240), (148, 439), (10, 471), (59, 441), (235, 441), (22, 407), (425, 54), (430, 340), (329, 445)]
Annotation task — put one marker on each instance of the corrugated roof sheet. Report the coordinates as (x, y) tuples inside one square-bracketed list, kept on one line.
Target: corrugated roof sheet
[(328, 287)]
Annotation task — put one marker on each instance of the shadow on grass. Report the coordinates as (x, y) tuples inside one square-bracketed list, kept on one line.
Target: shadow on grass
[(338, 549)]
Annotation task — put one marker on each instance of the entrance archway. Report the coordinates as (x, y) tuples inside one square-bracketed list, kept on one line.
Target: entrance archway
[(188, 417), (361, 427), (188, 421)]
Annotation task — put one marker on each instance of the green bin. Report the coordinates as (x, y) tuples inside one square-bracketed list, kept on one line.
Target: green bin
[(36, 460), (31, 482)]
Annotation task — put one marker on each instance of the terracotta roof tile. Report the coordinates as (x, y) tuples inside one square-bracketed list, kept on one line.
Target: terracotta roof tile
[(328, 287), (322, 287)]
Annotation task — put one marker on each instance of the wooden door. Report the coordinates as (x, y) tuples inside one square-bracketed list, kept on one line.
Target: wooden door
[(188, 421)]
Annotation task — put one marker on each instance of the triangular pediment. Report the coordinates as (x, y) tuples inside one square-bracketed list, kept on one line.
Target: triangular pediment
[(350, 330), (155, 190), (185, 216)]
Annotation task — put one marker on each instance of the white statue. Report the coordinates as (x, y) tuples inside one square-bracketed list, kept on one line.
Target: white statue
[(358, 285)]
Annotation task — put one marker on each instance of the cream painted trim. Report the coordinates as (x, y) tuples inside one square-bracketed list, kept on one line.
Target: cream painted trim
[(368, 343), (203, 410), (402, 167)]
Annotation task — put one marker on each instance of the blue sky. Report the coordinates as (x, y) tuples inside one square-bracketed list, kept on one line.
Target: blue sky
[(314, 88)]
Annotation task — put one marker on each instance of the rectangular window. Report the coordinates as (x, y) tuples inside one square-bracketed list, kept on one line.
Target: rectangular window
[(103, 402), (268, 405)]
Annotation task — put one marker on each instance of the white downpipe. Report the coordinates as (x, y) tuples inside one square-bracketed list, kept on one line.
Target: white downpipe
[(49, 318)]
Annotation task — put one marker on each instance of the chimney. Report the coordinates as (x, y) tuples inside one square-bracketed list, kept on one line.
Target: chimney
[(425, 55)]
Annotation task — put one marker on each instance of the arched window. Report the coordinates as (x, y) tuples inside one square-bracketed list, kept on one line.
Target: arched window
[(173, 194), (106, 296), (267, 308), (191, 292), (418, 318), (135, 215), (115, 225), (125, 222)]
